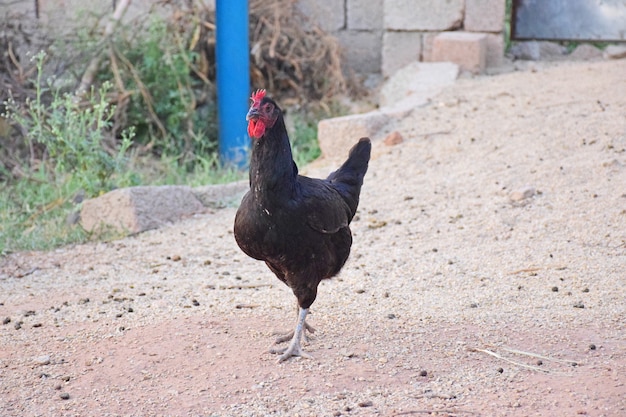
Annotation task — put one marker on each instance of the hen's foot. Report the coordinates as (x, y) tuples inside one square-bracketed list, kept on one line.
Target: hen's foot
[(288, 336), (294, 348)]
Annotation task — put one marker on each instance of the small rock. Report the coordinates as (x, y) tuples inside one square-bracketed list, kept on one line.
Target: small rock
[(195, 302), (346, 353), (615, 52), (18, 325), (64, 396), (585, 52), (72, 218), (359, 291), (423, 373), (365, 404), (394, 138), (555, 289), (592, 347), (391, 316), (175, 258), (42, 360), (6, 320), (473, 305), (579, 305), (522, 193), (83, 301), (500, 370)]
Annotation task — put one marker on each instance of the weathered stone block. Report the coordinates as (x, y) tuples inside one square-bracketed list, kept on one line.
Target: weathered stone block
[(136, 209), (329, 15), (399, 50), (484, 15), (365, 14), (468, 50), (221, 195), (361, 50), (423, 15), (337, 135)]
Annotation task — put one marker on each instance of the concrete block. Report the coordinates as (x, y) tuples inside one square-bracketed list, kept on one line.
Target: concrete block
[(361, 50), (136, 209), (427, 46), (468, 50), (495, 50), (484, 15), (365, 14), (399, 50), (337, 135), (423, 15), (329, 15)]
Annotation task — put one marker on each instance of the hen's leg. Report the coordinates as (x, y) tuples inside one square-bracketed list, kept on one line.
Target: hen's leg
[(288, 336), (294, 348)]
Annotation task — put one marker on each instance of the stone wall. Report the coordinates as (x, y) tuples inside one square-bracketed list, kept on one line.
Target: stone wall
[(386, 35), (378, 36)]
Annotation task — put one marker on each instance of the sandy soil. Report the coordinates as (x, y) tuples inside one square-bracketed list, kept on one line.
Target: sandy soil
[(487, 278)]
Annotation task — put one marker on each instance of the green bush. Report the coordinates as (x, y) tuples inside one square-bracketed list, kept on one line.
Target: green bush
[(78, 157)]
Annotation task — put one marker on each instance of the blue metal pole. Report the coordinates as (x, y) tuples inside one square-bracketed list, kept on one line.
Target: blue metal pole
[(233, 80)]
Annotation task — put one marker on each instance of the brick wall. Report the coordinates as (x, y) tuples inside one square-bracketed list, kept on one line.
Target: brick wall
[(378, 36)]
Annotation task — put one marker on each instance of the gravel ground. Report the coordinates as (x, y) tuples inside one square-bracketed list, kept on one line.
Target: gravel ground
[(487, 278)]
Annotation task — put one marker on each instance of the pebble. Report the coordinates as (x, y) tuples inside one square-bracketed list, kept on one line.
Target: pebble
[(579, 305), (394, 138), (522, 193), (500, 370), (64, 396), (423, 373), (592, 347), (42, 360), (555, 289), (365, 404), (6, 320)]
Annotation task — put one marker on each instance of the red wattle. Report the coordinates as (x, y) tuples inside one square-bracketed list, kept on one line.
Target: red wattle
[(256, 129)]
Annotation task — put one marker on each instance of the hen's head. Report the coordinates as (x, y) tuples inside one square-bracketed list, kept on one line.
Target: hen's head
[(262, 114)]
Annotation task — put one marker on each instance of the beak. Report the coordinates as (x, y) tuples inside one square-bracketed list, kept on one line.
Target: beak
[(253, 113)]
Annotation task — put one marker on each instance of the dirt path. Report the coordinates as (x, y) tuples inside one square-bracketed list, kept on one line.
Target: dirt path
[(452, 265)]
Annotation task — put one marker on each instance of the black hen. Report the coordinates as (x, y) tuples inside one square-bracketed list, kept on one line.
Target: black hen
[(298, 225)]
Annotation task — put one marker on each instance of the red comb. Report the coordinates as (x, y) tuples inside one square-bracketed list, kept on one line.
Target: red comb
[(257, 96)]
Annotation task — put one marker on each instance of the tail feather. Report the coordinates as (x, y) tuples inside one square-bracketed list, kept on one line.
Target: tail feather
[(348, 179)]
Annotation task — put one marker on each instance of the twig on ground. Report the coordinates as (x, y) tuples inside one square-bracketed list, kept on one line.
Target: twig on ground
[(449, 411), (497, 355), (535, 355)]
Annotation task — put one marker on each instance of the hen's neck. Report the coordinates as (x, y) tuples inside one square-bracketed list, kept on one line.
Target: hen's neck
[(272, 169)]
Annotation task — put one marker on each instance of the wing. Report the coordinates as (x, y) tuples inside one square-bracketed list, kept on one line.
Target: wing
[(323, 209)]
